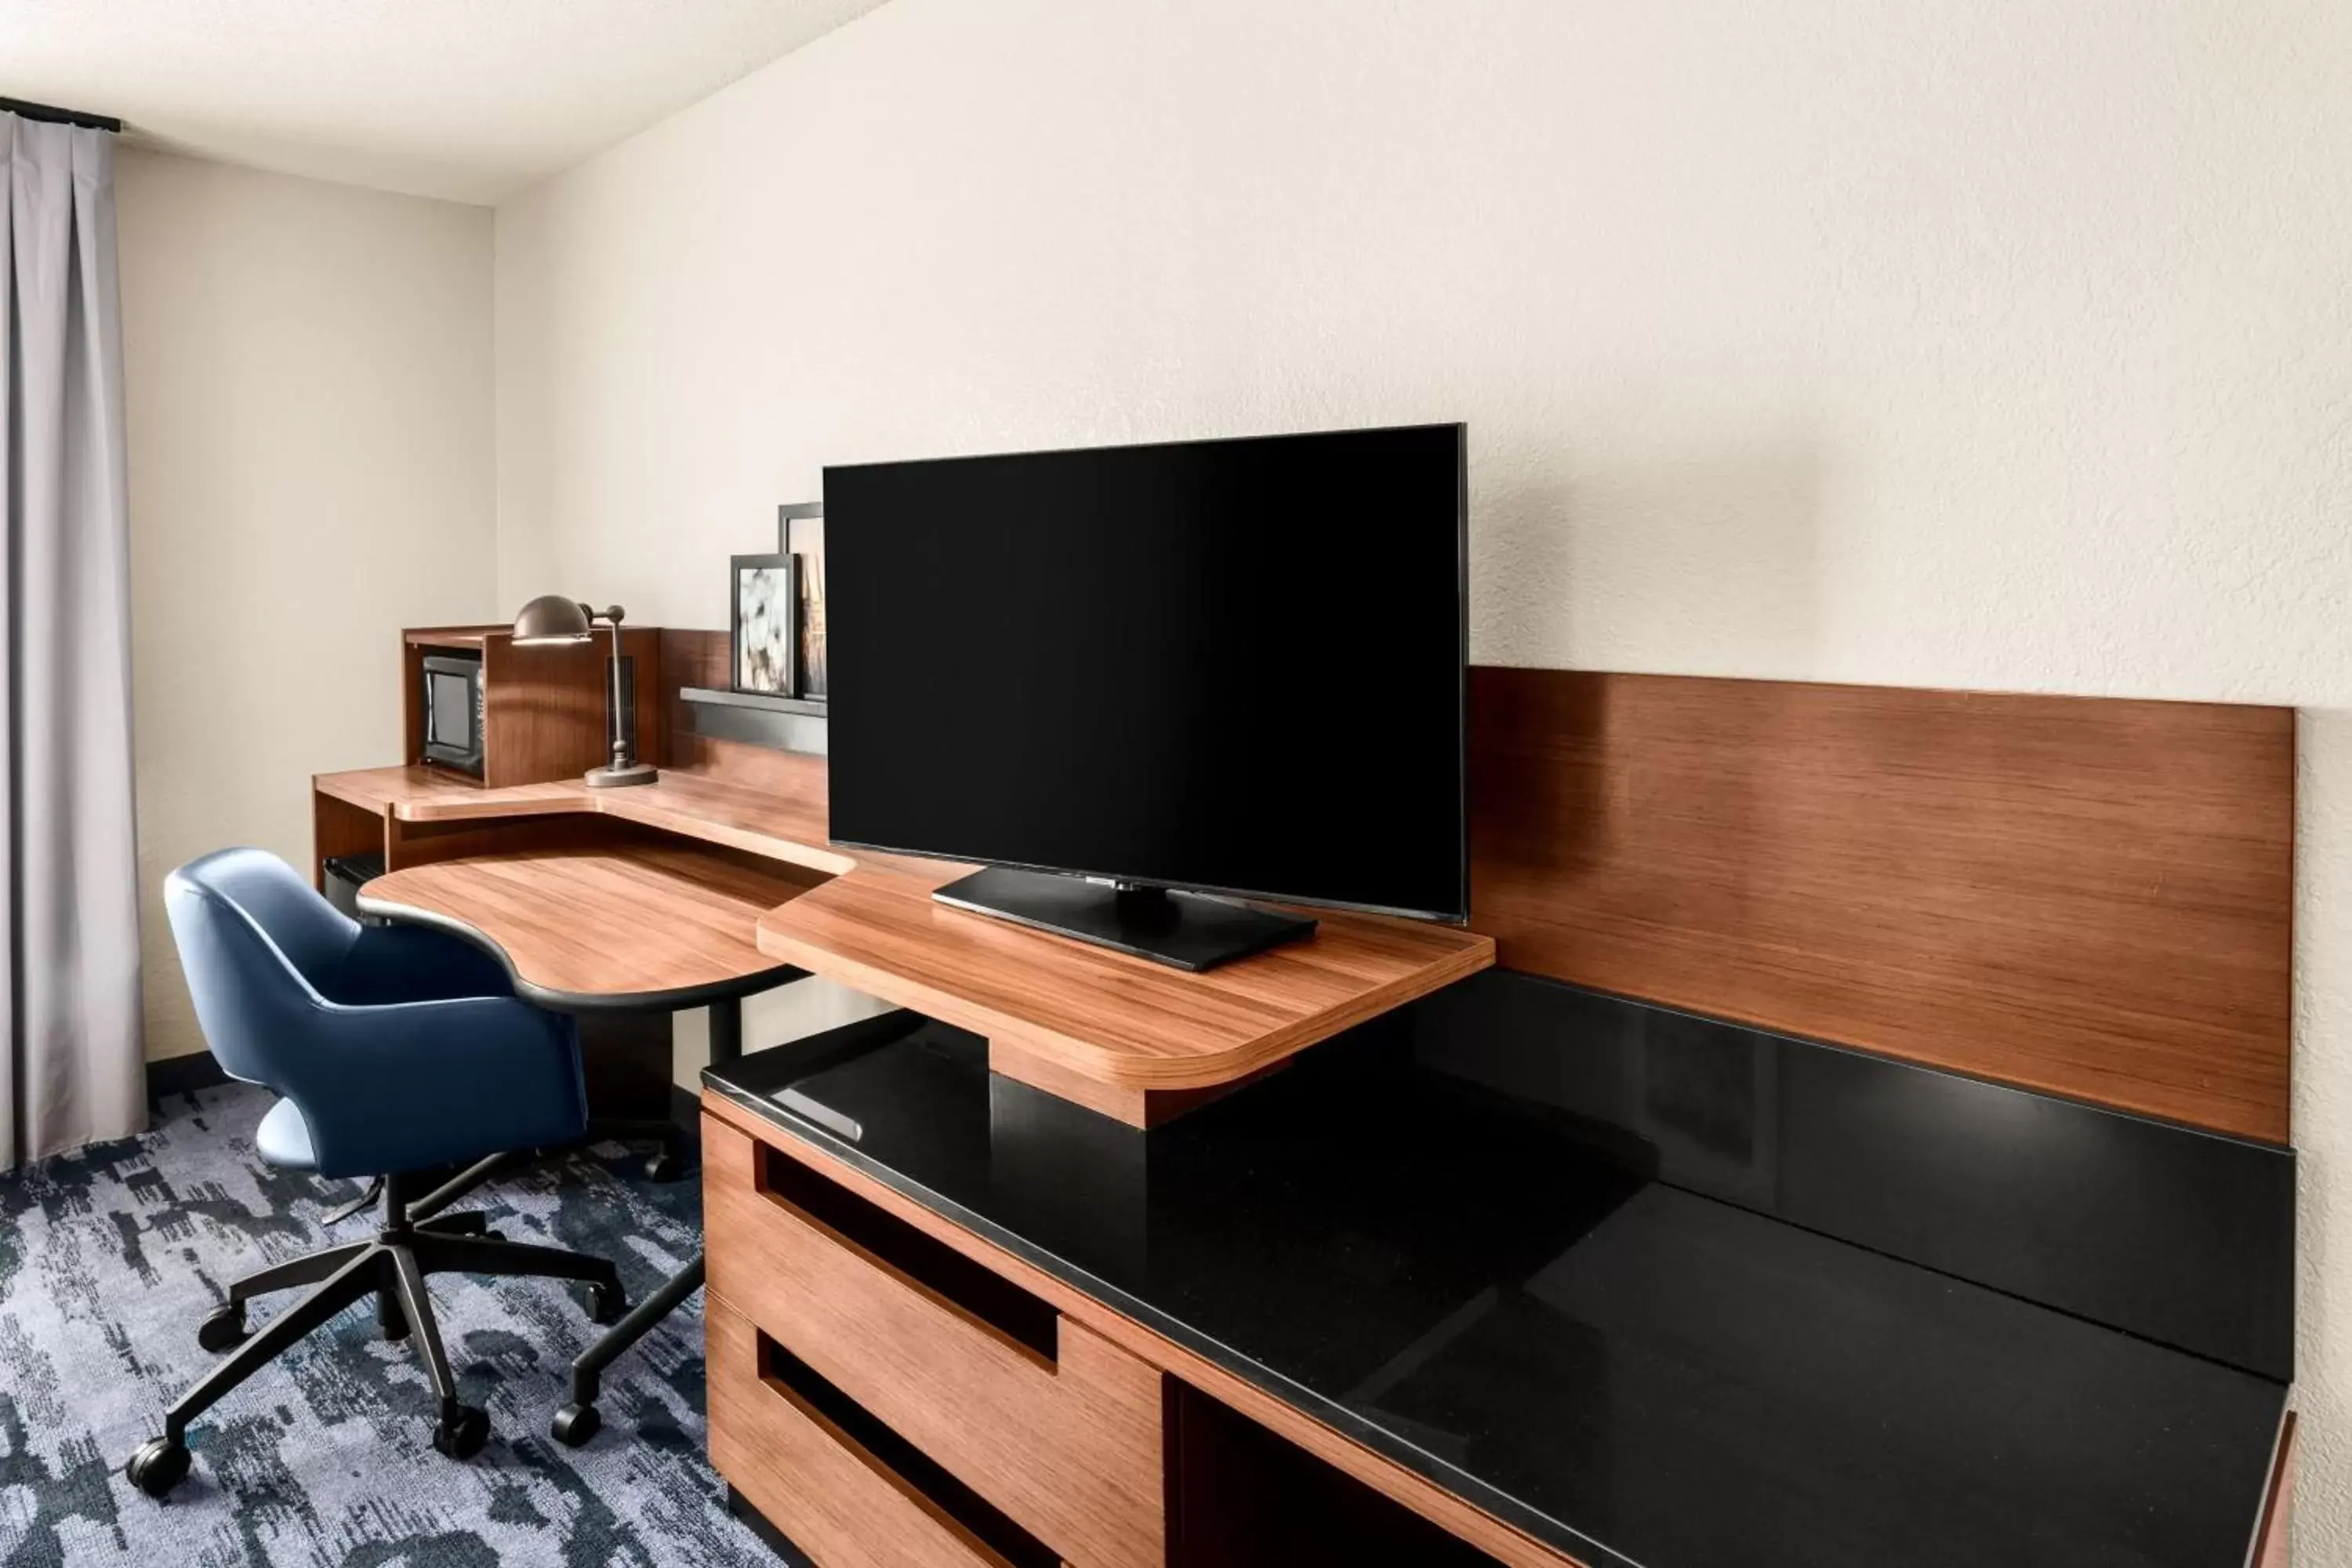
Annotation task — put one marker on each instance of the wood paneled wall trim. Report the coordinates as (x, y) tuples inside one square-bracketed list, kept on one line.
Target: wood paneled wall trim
[(691, 657), (2087, 896)]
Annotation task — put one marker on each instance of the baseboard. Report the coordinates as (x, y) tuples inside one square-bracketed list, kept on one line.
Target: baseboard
[(183, 1075)]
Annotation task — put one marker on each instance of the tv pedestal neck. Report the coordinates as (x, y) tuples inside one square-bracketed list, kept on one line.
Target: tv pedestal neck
[(1193, 931)]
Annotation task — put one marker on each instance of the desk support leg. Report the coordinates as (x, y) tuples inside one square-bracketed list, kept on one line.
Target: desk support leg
[(578, 1421), (726, 1030)]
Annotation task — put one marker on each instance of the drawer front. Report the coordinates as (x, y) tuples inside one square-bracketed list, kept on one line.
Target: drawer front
[(1041, 1417), (838, 1502)]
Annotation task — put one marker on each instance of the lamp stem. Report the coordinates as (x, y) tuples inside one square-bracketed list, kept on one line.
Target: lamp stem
[(619, 729)]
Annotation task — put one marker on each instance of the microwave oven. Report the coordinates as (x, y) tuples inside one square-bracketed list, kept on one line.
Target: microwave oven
[(451, 692)]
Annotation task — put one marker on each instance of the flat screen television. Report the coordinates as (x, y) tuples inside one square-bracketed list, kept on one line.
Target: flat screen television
[(1127, 677)]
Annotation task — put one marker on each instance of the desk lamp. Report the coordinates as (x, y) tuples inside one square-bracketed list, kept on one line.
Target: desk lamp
[(552, 618)]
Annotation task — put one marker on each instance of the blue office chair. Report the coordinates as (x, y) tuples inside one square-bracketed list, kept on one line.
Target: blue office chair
[(397, 1051)]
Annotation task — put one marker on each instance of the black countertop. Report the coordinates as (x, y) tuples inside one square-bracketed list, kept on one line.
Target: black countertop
[(1662, 1292)]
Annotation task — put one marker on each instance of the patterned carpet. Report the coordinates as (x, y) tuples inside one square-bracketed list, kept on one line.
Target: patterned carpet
[(109, 1257)]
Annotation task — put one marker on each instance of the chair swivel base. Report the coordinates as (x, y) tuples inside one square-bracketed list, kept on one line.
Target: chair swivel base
[(392, 1268)]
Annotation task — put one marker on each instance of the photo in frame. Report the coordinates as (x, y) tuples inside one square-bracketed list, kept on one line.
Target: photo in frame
[(763, 616), (800, 532)]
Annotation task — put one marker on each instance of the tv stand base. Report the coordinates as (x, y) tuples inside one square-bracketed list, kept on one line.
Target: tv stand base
[(1184, 931)]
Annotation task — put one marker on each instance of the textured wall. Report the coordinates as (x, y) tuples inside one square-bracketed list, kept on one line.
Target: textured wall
[(308, 390), (2003, 345)]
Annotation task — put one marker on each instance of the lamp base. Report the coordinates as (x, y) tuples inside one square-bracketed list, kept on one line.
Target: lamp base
[(621, 778)]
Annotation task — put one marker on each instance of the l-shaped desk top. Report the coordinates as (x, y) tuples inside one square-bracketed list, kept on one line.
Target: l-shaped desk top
[(727, 872)]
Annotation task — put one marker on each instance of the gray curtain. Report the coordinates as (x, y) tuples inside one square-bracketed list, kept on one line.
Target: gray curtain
[(76, 1070)]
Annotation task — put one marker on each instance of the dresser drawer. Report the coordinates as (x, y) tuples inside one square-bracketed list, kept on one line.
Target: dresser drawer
[(840, 1501), (1039, 1416)]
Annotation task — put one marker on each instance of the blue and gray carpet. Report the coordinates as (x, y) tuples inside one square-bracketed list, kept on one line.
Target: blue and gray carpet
[(108, 1257)]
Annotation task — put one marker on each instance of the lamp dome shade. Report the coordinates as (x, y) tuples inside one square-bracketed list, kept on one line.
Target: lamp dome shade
[(552, 617)]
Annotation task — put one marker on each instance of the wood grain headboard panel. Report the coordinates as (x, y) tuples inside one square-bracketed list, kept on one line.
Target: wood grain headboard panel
[(2087, 896), (2084, 895), (696, 657)]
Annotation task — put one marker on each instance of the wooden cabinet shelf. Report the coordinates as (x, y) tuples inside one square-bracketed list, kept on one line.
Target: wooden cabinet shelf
[(545, 711)]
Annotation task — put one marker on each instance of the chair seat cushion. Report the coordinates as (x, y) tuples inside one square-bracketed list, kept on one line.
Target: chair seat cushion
[(284, 1139)]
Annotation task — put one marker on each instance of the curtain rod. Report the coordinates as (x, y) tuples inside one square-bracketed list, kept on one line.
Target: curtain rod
[(18, 106)]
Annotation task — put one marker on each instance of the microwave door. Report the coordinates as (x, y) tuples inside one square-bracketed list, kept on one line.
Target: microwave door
[(449, 709), (452, 713)]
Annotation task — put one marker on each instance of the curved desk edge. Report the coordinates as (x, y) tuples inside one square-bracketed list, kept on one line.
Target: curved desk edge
[(1116, 1021), (672, 1000)]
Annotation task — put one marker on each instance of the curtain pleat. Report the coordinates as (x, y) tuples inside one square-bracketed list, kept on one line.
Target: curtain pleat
[(67, 860)]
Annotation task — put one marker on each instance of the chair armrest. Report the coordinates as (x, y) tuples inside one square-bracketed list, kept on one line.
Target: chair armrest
[(417, 1084), (395, 964)]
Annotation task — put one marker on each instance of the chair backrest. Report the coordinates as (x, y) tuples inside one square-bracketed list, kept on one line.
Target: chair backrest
[(259, 948)]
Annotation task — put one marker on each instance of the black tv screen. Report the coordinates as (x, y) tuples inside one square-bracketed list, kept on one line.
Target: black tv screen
[(1231, 666)]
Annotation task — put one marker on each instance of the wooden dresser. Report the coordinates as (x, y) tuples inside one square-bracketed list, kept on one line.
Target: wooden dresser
[(2082, 897), (886, 1399)]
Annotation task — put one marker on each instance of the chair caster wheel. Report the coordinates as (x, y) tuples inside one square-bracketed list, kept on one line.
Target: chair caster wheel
[(663, 1167), (224, 1329), (461, 1433), (574, 1425), (158, 1467), (606, 1303)]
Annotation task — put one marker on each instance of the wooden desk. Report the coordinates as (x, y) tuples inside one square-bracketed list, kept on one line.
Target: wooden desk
[(1127, 1038), (2091, 896)]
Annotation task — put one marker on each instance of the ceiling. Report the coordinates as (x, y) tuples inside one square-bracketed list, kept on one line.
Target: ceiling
[(468, 99)]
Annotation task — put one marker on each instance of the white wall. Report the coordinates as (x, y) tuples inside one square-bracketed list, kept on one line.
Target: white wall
[(309, 373), (2003, 345)]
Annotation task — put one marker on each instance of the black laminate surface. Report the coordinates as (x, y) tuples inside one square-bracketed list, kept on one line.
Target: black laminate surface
[(1659, 1290)]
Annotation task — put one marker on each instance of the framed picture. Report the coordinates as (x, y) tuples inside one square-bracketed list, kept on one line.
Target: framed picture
[(763, 591), (800, 532)]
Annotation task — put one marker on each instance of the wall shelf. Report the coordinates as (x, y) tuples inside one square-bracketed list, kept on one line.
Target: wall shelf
[(780, 723), (755, 699)]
